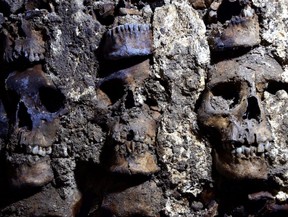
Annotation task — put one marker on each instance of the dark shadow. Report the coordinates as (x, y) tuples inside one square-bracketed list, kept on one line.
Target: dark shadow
[(220, 54), (228, 9), (93, 180)]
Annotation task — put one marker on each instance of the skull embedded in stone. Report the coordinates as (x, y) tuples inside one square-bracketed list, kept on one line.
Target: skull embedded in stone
[(234, 25), (130, 141), (34, 107), (232, 114)]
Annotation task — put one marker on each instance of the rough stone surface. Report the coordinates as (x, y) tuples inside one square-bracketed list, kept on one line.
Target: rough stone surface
[(275, 22)]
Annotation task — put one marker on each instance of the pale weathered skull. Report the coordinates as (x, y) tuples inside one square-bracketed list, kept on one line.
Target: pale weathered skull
[(34, 105), (232, 114)]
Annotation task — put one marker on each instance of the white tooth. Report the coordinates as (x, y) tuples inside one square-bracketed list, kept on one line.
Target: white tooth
[(239, 151), (35, 150), (135, 27), (246, 150), (49, 150), (260, 148), (267, 146), (136, 137), (212, 13), (42, 152), (29, 149), (109, 33)]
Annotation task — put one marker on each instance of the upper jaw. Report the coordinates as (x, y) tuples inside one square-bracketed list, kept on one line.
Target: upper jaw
[(242, 161), (245, 150)]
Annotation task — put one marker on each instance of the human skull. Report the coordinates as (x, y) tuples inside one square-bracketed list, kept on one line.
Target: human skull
[(132, 130), (132, 142), (233, 113), (34, 107)]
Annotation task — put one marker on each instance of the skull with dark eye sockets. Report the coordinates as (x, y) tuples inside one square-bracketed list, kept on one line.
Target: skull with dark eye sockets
[(131, 139), (34, 105), (233, 115)]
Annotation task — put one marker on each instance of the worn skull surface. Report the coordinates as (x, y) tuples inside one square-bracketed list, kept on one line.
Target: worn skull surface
[(132, 142), (233, 115), (34, 107), (235, 25), (132, 132)]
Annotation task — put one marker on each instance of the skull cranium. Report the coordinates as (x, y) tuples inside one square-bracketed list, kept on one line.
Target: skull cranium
[(233, 114), (34, 107)]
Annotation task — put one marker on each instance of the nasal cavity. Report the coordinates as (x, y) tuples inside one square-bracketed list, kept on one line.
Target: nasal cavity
[(23, 117), (253, 110)]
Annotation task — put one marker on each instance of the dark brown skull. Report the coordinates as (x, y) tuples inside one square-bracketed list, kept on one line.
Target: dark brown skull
[(34, 107), (233, 115)]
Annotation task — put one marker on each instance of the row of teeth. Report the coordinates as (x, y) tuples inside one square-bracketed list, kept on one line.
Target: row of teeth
[(134, 147), (38, 150), (252, 150), (129, 28)]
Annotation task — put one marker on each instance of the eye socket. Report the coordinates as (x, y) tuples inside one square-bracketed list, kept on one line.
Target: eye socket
[(274, 86), (227, 10), (51, 98), (114, 89), (226, 94)]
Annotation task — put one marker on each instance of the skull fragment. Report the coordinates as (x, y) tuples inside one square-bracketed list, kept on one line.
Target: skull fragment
[(234, 25), (232, 113), (34, 107)]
